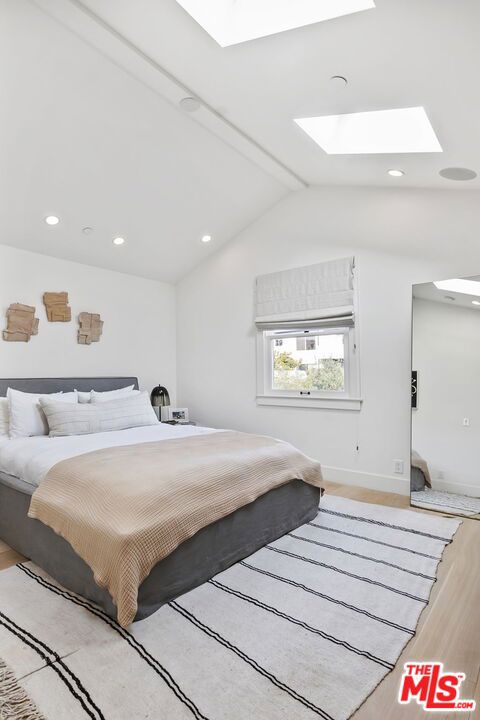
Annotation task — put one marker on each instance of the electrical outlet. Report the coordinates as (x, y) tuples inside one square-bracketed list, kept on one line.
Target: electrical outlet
[(398, 467)]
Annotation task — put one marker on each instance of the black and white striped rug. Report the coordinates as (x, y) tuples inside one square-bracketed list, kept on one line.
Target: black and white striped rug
[(447, 502), (306, 627)]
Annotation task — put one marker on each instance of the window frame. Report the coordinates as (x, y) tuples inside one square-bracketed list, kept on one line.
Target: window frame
[(347, 399)]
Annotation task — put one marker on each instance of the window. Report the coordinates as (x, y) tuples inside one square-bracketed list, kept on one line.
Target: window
[(305, 343), (313, 362), (306, 337), (310, 365)]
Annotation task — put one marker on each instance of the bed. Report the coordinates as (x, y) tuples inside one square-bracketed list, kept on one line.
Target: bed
[(211, 550), (419, 473)]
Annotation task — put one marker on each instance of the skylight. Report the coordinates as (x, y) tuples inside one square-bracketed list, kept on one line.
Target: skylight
[(235, 21), (406, 130), (465, 287)]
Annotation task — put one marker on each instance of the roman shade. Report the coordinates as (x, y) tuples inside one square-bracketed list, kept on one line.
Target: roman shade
[(314, 295)]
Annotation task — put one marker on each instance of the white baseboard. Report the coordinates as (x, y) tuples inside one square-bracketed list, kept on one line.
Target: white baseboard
[(372, 481), (459, 488)]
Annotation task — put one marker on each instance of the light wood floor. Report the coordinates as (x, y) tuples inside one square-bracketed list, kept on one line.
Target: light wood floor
[(8, 557), (449, 629)]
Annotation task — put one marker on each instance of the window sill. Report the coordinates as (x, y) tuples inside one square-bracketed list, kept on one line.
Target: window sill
[(311, 402)]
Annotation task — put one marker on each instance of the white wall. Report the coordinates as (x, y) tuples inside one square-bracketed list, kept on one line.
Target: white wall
[(446, 354), (139, 315), (384, 230)]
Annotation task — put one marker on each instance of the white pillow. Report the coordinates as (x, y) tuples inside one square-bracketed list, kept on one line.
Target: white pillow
[(113, 395), (26, 415), (133, 410), (4, 417), (107, 395), (83, 397)]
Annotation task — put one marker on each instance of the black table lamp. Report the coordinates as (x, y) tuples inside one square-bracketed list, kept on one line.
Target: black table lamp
[(159, 396)]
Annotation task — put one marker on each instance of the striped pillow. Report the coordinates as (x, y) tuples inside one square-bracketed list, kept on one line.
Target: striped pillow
[(84, 418)]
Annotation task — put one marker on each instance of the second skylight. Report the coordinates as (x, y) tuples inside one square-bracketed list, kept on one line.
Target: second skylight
[(406, 130)]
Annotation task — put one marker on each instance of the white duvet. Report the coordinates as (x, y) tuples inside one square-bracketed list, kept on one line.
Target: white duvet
[(30, 459)]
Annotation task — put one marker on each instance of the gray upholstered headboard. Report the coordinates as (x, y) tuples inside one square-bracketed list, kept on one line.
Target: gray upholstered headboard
[(50, 385)]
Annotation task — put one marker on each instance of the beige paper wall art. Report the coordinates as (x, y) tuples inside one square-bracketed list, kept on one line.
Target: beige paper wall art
[(57, 307), (90, 328), (21, 323)]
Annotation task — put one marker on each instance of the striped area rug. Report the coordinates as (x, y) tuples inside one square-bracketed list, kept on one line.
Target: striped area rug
[(305, 628), (447, 502)]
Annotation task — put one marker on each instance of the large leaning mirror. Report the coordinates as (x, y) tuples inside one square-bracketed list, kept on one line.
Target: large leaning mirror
[(445, 467)]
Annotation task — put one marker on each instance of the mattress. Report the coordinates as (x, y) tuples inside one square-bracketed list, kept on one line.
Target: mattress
[(31, 458)]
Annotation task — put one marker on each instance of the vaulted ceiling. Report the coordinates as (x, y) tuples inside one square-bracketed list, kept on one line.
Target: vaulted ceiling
[(84, 140), (93, 130), (400, 54)]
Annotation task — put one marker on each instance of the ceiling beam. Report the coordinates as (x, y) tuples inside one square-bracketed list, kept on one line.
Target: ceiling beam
[(100, 35)]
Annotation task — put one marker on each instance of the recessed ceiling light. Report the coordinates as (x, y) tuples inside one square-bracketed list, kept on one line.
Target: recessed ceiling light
[(396, 173), (206, 238), (118, 241), (190, 104), (87, 230), (475, 302), (52, 220), (449, 297), (233, 21), (465, 287), (458, 174), (406, 130)]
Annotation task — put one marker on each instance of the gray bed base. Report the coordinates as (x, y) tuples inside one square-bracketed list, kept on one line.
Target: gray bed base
[(195, 561), (417, 479)]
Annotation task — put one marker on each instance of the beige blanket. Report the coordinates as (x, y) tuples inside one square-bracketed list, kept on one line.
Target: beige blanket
[(123, 509)]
